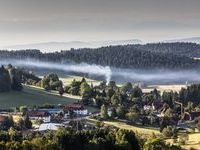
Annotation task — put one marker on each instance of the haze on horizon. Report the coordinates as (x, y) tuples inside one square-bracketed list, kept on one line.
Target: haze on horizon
[(36, 21)]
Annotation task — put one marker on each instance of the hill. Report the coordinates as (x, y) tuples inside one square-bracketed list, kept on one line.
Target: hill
[(57, 46), (190, 40), (148, 56)]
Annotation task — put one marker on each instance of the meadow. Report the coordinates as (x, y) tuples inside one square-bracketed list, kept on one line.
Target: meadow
[(31, 96)]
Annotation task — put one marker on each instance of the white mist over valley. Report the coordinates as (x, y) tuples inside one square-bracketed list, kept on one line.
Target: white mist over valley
[(107, 73)]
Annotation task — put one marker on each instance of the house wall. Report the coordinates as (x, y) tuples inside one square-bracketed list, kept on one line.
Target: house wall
[(44, 119)]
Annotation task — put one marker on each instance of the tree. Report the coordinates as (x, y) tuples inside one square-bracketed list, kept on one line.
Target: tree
[(85, 92), (183, 138), (85, 89), (13, 145), (83, 80), (23, 109), (137, 92), (190, 106), (120, 111), (116, 100), (113, 112), (61, 91), (12, 133), (169, 132), (7, 123), (149, 98), (66, 89), (159, 144), (167, 97), (2, 145), (132, 116), (27, 145), (27, 123), (110, 92), (128, 87), (51, 82), (198, 125), (104, 112), (112, 84), (75, 87)]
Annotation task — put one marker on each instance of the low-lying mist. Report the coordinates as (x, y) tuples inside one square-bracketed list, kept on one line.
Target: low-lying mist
[(119, 75), (72, 67)]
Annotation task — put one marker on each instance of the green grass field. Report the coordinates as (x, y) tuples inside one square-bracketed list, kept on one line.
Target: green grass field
[(32, 96)]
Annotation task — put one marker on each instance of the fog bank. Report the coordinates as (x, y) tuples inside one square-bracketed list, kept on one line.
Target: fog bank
[(117, 74)]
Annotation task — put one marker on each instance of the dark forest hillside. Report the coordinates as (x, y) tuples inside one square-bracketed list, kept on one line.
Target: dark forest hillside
[(9, 79), (160, 55)]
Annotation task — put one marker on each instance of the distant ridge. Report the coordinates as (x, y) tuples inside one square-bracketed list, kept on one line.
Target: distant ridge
[(190, 40), (57, 46)]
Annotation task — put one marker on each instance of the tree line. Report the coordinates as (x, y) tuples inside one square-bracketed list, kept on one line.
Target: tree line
[(159, 55), (9, 79), (102, 138)]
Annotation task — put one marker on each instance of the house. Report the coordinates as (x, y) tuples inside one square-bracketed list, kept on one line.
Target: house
[(109, 111), (189, 116), (3, 120), (148, 107), (54, 111), (45, 116), (74, 108), (155, 106)]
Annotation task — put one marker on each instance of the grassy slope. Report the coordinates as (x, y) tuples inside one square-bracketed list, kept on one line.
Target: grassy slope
[(122, 125), (31, 96), (140, 130)]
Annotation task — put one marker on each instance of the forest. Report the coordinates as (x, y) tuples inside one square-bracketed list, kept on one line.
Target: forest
[(160, 55), (9, 79)]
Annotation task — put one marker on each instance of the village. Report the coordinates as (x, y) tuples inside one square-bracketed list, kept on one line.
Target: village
[(51, 117)]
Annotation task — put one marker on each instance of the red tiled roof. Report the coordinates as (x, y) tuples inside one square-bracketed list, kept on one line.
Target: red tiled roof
[(73, 107), (3, 118), (36, 113)]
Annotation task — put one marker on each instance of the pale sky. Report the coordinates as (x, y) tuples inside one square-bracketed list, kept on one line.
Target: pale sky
[(33, 21)]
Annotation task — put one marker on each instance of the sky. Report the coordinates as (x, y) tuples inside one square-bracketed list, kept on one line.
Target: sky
[(33, 21)]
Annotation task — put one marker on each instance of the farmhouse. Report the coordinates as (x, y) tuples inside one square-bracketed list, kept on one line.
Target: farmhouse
[(191, 116), (155, 106), (75, 108), (3, 119), (45, 116), (54, 111)]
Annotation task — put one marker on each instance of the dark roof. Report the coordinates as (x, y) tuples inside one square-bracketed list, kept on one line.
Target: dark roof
[(158, 104), (73, 107), (191, 115), (3, 118), (36, 113)]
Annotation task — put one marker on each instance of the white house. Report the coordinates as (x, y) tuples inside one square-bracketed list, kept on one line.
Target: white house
[(76, 109), (39, 115)]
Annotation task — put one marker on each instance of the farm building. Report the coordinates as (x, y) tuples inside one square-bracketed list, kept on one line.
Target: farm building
[(3, 119), (45, 116), (53, 111), (74, 108)]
